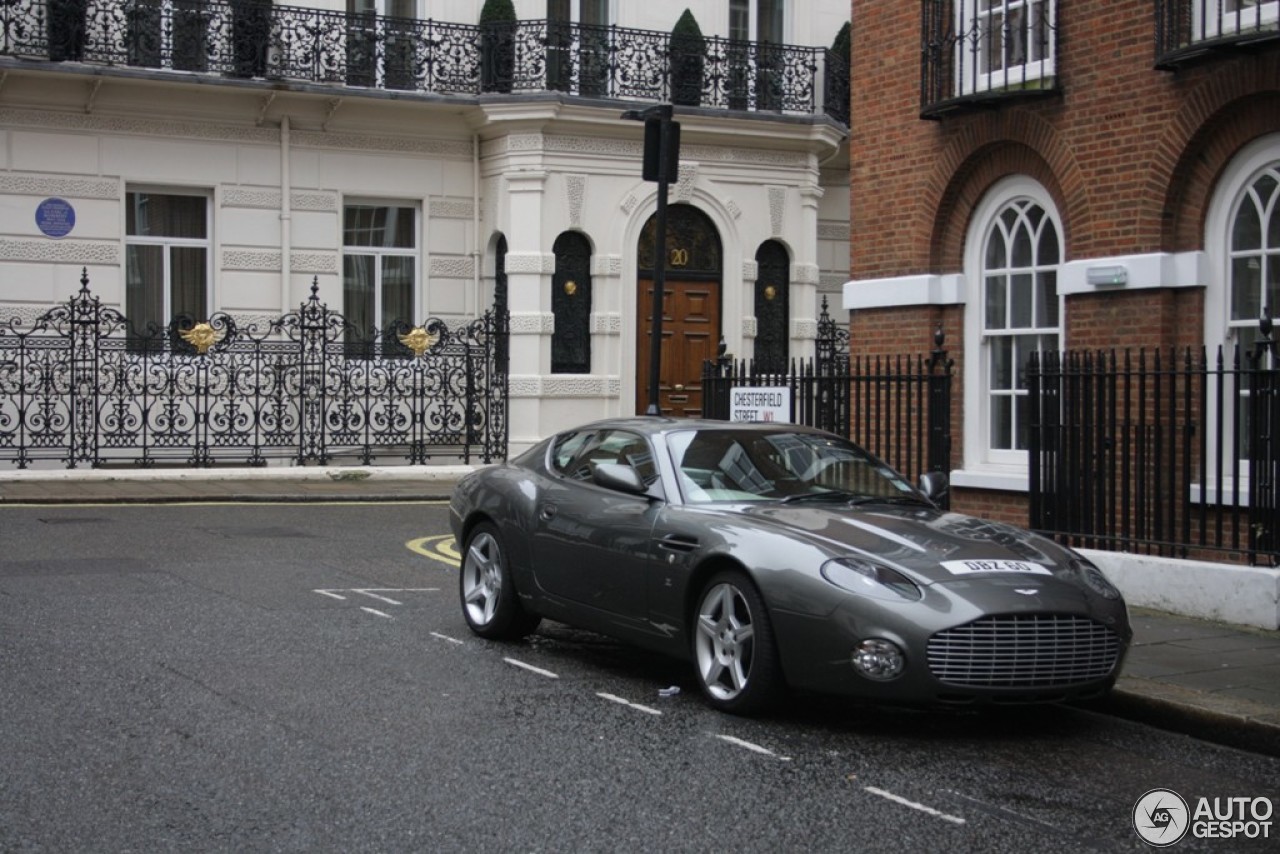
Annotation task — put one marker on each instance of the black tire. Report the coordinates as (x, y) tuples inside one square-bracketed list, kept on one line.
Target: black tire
[(735, 652), (490, 604)]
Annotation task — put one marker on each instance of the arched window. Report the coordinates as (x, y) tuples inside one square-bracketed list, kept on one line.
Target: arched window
[(772, 307), (1242, 244), (1014, 251), (571, 305)]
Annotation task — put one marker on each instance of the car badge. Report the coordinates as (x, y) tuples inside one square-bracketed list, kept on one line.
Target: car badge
[(1026, 591)]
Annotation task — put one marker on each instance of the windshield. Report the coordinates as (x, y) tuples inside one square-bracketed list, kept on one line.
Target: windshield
[(750, 465)]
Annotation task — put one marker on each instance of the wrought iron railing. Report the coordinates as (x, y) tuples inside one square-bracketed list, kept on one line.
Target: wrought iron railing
[(80, 386), (898, 408), (976, 52), (1169, 453), (254, 39), (1187, 30)]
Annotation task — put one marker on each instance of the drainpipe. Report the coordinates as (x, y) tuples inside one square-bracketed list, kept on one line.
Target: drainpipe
[(286, 215), (476, 254)]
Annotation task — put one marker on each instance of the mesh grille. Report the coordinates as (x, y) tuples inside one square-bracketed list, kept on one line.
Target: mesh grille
[(1024, 651)]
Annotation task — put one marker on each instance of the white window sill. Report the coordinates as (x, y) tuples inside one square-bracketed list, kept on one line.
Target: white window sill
[(1005, 480)]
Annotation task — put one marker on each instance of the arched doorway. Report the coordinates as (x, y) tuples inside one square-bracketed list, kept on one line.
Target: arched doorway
[(691, 309), (773, 307)]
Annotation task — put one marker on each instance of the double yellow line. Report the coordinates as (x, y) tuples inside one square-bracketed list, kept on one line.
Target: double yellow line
[(442, 548)]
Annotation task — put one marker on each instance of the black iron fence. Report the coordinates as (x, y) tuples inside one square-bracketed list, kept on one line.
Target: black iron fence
[(251, 38), (899, 408), (80, 386), (1187, 30), (1167, 453)]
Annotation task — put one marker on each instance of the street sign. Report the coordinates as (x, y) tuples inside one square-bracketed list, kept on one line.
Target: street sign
[(771, 403)]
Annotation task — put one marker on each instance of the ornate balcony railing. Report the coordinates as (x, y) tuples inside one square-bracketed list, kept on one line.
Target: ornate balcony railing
[(974, 52), (1188, 30), (253, 39)]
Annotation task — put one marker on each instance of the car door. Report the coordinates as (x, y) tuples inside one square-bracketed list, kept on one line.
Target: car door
[(590, 544)]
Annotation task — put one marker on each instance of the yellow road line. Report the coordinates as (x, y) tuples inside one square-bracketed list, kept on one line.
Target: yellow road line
[(441, 548)]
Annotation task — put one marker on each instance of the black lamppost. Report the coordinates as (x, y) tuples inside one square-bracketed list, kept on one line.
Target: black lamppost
[(661, 164)]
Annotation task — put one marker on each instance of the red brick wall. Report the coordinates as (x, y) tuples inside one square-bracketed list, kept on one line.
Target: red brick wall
[(1129, 154)]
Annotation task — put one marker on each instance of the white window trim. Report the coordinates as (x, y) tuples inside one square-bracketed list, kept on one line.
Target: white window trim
[(1236, 179), (1007, 468), (145, 240), (1212, 19), (969, 82), (418, 250)]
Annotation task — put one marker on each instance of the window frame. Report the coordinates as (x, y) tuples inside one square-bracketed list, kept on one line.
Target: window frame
[(979, 455), (971, 81), (1238, 178), (167, 244), (1209, 20), (390, 347)]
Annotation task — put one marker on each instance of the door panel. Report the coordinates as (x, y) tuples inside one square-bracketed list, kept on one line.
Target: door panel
[(690, 335)]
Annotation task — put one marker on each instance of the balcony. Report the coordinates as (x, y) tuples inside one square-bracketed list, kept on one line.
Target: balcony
[(253, 40), (1189, 31), (985, 53)]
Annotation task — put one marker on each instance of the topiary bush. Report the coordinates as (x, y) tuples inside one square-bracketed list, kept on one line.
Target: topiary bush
[(686, 53)]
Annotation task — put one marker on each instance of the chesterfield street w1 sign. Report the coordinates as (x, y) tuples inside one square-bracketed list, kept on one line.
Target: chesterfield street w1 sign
[(760, 404)]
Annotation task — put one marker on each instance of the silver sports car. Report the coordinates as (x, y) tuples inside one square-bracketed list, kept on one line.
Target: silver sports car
[(777, 556)]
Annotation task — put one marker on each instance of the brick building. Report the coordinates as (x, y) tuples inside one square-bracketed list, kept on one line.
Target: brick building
[(1034, 175)]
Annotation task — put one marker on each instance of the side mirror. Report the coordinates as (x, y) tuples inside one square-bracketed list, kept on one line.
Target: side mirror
[(934, 485), (619, 477)]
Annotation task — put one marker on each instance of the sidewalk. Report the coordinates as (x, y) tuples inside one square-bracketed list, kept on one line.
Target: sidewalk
[(1211, 680)]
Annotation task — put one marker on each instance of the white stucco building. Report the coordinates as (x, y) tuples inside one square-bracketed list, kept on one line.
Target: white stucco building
[(223, 156)]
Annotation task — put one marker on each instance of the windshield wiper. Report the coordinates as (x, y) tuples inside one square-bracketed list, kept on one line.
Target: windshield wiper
[(833, 495), (891, 499)]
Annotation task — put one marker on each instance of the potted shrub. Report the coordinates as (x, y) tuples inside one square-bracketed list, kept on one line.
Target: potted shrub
[(685, 57), (836, 90), (497, 45)]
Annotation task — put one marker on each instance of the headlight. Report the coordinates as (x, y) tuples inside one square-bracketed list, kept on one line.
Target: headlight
[(878, 659), (1094, 579), (869, 578)]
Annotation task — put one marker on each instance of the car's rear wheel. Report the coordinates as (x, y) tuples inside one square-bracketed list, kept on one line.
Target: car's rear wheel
[(734, 647), (489, 601)]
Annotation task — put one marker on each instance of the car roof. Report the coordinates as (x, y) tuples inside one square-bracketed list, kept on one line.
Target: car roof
[(653, 425)]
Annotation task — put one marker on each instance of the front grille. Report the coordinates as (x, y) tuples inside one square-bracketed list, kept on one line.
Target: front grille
[(1024, 651)]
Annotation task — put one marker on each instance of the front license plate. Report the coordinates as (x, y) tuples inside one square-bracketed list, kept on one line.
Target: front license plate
[(971, 567)]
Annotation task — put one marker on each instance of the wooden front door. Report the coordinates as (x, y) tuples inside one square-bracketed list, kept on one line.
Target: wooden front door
[(690, 335)]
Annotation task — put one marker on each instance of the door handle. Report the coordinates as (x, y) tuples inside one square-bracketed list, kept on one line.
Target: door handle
[(678, 387)]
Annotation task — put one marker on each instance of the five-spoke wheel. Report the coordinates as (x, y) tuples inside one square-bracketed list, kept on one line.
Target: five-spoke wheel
[(733, 646), (489, 600)]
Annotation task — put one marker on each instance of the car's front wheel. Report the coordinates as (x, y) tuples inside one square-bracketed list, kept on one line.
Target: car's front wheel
[(734, 647), (489, 601)]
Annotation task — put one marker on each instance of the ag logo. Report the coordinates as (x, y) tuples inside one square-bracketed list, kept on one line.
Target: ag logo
[(1161, 817)]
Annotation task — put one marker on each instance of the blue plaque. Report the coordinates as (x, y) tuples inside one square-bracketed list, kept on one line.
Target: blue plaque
[(55, 217)]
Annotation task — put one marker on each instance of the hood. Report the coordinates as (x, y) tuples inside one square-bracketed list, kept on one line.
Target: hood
[(931, 546)]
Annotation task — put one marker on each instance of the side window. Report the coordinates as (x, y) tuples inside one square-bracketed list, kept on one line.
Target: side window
[(379, 275), (166, 262), (578, 454)]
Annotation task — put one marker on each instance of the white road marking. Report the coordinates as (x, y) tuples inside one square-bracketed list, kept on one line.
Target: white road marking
[(331, 594), (376, 611), (373, 595), (531, 668), (446, 638), (753, 747), (898, 799), (613, 698)]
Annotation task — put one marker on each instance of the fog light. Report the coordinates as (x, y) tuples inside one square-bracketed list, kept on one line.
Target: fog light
[(879, 660)]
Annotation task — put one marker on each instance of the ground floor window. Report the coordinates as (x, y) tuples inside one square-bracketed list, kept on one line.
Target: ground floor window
[(166, 263), (379, 276)]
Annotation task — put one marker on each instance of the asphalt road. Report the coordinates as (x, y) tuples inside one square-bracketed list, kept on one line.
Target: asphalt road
[(299, 678)]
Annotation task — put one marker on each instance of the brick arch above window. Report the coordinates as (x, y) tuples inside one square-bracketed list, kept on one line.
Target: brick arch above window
[(971, 182), (1222, 130)]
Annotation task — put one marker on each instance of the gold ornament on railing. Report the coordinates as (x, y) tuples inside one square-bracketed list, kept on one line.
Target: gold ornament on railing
[(202, 336), (419, 340)]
